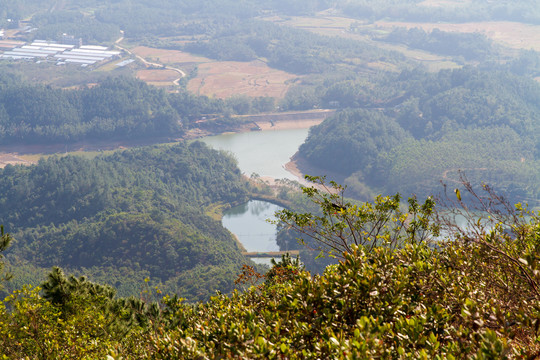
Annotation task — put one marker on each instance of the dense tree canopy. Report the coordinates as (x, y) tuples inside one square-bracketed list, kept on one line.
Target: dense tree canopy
[(352, 139), (116, 108), (140, 210), (474, 295), (429, 126)]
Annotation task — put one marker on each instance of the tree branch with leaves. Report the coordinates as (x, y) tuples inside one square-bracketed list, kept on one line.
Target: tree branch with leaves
[(342, 223)]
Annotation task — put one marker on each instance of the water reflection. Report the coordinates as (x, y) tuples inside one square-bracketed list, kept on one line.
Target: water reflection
[(262, 208), (236, 212), (248, 223)]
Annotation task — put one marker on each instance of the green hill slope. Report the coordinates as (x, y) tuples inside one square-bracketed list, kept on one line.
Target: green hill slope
[(138, 212)]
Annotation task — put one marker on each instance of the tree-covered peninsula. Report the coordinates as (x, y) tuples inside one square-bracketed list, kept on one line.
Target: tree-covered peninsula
[(123, 217)]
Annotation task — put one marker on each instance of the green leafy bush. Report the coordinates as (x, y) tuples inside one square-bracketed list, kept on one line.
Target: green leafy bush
[(472, 292)]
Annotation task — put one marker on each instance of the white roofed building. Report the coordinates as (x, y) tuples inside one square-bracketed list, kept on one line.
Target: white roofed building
[(61, 53)]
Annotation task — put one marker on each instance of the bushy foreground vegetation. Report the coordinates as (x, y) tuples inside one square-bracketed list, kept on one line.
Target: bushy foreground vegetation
[(473, 293)]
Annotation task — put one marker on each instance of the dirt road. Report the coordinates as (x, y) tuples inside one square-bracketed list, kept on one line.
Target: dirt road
[(148, 63)]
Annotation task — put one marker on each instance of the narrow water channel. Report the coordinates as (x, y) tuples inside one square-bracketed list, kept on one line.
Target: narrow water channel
[(264, 153)]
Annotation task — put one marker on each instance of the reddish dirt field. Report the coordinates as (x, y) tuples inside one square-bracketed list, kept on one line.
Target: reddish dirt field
[(217, 79), (512, 34), (227, 78), (167, 56), (158, 76)]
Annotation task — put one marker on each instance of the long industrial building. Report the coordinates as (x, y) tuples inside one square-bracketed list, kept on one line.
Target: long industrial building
[(61, 53)]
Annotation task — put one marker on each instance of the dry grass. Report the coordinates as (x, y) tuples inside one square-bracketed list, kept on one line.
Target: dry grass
[(181, 39), (11, 159), (319, 22), (168, 56), (512, 34), (218, 79), (324, 25), (161, 76), (339, 26), (432, 62), (226, 78)]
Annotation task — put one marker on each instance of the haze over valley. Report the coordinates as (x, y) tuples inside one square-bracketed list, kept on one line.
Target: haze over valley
[(129, 128)]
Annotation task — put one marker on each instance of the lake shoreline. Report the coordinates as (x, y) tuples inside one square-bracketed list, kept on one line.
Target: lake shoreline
[(264, 122), (297, 165), (279, 141), (264, 125), (28, 154)]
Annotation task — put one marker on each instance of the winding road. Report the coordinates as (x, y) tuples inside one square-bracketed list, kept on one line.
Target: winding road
[(148, 63)]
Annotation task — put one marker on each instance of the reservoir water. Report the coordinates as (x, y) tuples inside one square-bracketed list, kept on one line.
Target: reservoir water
[(264, 153), (248, 223), (261, 152)]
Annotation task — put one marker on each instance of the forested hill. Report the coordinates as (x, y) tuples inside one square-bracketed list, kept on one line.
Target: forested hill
[(293, 50), (116, 108), (430, 125), (100, 20), (126, 216)]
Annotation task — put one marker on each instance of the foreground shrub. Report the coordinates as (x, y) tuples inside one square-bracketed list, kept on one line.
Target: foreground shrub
[(472, 292)]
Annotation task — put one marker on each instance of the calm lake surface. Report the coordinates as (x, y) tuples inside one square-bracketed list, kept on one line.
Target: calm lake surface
[(261, 152), (264, 153), (248, 222)]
